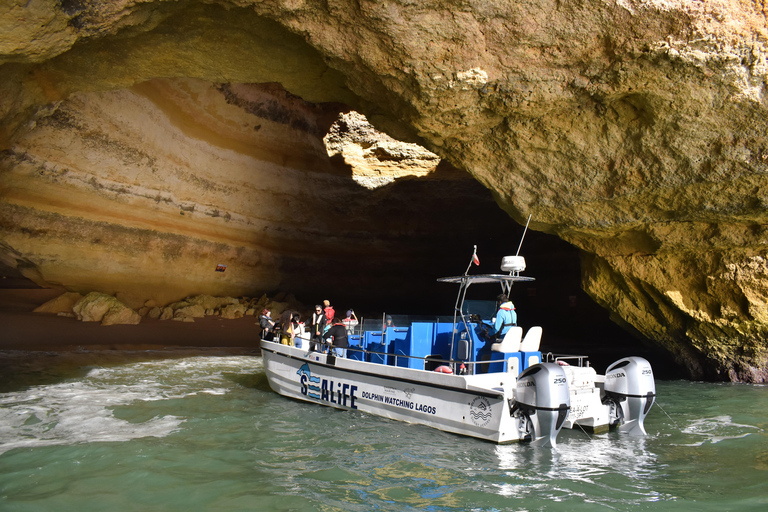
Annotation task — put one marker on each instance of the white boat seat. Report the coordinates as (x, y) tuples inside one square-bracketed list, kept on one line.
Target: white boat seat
[(532, 340), (511, 341)]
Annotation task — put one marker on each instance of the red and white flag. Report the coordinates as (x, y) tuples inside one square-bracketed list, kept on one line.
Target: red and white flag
[(475, 259)]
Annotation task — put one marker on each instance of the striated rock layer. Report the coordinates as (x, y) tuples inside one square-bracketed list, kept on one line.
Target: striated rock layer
[(633, 129), (177, 187)]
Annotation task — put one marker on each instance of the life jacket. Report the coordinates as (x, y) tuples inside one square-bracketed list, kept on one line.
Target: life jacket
[(507, 306), (316, 323)]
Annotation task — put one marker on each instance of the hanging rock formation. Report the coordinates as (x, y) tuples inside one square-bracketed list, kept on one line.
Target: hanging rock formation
[(633, 129)]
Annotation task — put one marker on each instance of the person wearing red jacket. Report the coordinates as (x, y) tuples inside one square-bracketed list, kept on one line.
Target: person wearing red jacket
[(330, 313)]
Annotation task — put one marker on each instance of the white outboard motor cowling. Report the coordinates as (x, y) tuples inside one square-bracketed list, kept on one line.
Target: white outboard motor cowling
[(542, 402), (629, 386)]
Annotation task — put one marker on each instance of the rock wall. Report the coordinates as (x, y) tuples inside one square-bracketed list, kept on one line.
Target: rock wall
[(177, 187), (633, 129)]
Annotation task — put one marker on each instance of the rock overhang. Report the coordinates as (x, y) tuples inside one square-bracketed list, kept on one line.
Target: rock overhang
[(634, 130)]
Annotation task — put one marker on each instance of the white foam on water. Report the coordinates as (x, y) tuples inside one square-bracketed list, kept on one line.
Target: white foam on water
[(717, 429), (82, 410)]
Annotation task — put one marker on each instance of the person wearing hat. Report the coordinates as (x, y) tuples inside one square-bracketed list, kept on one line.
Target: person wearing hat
[(506, 317), (350, 321)]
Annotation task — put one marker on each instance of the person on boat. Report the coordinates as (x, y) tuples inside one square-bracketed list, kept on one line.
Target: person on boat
[(298, 329), (339, 335), (267, 325), (330, 313), (506, 317), (316, 327), (350, 321), (288, 335)]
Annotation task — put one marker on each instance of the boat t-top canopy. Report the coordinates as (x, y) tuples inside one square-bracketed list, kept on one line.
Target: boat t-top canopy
[(484, 278), (514, 264), (505, 280)]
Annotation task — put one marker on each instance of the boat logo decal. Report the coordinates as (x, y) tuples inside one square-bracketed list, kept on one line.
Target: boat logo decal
[(409, 392), (480, 411), (326, 390), (313, 389)]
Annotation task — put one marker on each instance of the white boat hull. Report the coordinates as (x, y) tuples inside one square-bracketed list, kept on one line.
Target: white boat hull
[(501, 407), (475, 406), (509, 395)]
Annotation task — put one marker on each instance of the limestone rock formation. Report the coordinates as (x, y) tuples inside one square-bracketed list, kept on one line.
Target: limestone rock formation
[(633, 129), (194, 311), (375, 159), (100, 307), (233, 311), (64, 303)]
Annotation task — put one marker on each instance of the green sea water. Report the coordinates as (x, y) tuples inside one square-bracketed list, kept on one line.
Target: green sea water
[(154, 431)]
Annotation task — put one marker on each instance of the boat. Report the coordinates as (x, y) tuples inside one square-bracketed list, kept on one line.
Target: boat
[(439, 372)]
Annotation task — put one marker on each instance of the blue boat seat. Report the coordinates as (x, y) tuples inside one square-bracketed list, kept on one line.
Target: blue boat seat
[(355, 350), (402, 343), (376, 342)]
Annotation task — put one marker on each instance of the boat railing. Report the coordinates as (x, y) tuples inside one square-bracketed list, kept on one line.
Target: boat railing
[(574, 360), (471, 367), (454, 364), (429, 361)]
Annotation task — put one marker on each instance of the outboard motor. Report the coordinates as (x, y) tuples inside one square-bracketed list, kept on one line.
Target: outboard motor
[(541, 403), (630, 392)]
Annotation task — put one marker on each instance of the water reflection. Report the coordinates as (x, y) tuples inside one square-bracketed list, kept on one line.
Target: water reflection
[(608, 464)]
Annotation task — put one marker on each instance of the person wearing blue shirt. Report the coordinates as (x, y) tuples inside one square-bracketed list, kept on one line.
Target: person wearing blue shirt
[(506, 317)]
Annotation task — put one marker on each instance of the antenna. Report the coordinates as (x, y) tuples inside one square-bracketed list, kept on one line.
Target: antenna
[(523, 237), (472, 260)]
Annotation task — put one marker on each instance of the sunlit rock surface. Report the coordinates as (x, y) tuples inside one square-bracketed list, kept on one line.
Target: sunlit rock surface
[(635, 130), (375, 158)]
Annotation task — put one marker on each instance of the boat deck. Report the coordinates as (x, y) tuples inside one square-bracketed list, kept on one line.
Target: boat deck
[(434, 346)]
